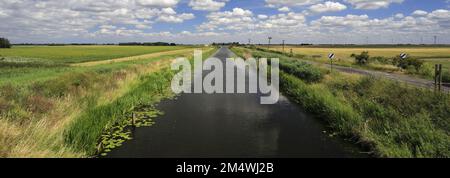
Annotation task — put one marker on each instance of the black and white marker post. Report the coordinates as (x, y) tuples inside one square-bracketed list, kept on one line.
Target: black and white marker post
[(403, 55), (331, 57)]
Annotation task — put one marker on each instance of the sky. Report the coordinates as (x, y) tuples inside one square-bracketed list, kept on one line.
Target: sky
[(207, 21)]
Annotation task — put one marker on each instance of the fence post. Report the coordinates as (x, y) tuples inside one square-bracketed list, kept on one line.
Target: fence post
[(440, 77), (133, 120), (435, 77)]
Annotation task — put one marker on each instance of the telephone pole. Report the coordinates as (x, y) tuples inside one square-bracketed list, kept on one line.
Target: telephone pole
[(283, 46), (270, 39)]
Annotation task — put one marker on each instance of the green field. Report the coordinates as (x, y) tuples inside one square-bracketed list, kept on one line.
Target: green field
[(343, 54), (76, 54)]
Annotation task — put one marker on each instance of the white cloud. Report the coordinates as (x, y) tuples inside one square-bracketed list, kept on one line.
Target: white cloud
[(327, 7), (419, 13), (172, 18), (262, 16), (372, 4), (290, 3), (28, 19), (158, 3), (284, 9), (236, 19), (283, 22), (441, 16), (207, 5), (399, 15)]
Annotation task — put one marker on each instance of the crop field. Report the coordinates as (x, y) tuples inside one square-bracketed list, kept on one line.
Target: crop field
[(42, 95), (76, 54), (433, 54)]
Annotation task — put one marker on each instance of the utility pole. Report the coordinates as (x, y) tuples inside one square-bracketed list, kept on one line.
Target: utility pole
[(435, 40), (249, 41), (283, 46), (270, 39)]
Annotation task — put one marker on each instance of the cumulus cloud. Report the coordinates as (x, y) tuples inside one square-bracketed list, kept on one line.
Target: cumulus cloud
[(236, 19), (372, 4), (207, 5), (53, 18), (419, 13), (158, 3), (262, 16), (284, 9), (327, 7), (289, 3)]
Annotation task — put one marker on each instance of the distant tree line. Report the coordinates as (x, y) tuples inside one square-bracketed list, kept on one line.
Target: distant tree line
[(147, 44), (226, 44), (4, 43)]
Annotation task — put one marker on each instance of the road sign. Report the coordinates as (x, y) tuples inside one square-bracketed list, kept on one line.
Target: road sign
[(331, 55), (403, 55)]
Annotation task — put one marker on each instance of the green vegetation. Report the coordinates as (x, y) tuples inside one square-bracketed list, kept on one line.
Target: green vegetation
[(420, 62), (385, 117), (84, 133), (361, 59), (105, 120), (41, 101), (77, 54), (4, 43)]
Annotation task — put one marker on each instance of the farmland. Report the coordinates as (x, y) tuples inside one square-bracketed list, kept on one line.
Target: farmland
[(42, 94), (76, 54), (430, 56)]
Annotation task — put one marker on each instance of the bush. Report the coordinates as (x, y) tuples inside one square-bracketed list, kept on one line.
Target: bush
[(408, 63), (362, 59), (446, 77), (4, 43)]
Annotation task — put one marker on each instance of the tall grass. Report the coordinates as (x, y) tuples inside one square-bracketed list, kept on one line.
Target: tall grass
[(388, 118), (84, 133), (37, 109)]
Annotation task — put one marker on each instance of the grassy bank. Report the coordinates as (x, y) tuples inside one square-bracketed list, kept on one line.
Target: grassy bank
[(38, 104), (83, 134), (388, 118)]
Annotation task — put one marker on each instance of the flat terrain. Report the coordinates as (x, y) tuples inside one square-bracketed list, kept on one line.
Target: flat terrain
[(34, 63), (76, 54), (433, 55)]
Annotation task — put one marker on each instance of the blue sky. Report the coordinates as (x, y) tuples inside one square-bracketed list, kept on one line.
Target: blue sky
[(207, 21)]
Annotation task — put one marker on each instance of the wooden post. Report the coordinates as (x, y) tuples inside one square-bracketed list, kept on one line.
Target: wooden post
[(331, 61), (435, 77), (133, 120), (440, 77)]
